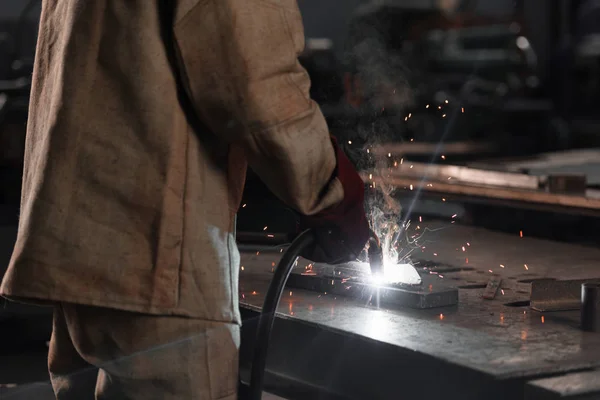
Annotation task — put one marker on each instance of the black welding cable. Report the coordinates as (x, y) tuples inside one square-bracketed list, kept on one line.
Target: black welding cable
[(267, 315)]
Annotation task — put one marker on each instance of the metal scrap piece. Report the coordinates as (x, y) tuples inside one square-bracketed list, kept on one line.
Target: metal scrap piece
[(492, 288)]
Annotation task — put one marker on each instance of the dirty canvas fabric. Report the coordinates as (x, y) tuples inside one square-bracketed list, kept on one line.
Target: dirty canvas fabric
[(98, 353), (125, 206)]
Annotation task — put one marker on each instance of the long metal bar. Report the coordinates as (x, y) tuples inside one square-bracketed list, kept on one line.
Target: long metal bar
[(466, 175)]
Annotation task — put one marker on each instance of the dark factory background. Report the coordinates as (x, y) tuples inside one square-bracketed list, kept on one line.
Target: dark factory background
[(499, 86)]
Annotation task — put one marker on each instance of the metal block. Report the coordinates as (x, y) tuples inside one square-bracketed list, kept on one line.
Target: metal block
[(551, 295), (570, 184), (420, 297)]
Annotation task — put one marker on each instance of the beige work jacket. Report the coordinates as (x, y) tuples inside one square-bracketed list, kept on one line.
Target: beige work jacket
[(124, 205)]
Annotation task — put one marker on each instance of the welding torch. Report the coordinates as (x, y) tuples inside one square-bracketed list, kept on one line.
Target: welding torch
[(375, 255)]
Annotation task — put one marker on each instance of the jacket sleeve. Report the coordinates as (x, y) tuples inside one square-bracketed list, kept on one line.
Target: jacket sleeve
[(240, 62)]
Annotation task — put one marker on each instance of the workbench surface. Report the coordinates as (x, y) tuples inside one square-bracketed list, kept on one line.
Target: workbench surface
[(488, 336)]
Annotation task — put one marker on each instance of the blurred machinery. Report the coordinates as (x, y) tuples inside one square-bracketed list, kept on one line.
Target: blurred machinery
[(428, 74)]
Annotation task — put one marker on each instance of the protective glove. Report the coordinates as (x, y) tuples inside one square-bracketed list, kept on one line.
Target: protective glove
[(342, 230)]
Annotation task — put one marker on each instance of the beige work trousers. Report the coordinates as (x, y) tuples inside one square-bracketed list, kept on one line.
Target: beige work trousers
[(99, 353)]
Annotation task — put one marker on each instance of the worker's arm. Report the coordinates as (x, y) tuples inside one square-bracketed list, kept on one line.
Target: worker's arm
[(244, 78), (240, 61)]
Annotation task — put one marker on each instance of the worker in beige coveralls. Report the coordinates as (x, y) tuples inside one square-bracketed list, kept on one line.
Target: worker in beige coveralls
[(128, 209)]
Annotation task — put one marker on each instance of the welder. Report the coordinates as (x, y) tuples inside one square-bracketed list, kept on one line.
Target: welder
[(137, 144)]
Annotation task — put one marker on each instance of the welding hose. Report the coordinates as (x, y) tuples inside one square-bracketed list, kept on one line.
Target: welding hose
[(267, 315)]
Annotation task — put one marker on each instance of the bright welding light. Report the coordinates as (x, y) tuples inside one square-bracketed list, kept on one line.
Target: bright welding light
[(394, 273), (400, 273)]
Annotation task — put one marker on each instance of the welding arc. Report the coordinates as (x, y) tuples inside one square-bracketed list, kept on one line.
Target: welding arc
[(267, 315)]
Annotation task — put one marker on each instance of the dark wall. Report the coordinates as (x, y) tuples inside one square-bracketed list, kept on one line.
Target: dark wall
[(328, 18), (322, 18)]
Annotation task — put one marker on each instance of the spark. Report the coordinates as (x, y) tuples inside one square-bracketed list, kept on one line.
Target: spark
[(420, 218), (389, 154), (446, 101), (349, 141), (409, 115), (502, 266), (526, 267), (290, 293), (271, 236), (401, 161), (254, 293), (435, 254), (463, 110), (444, 116), (412, 139), (244, 206), (468, 244), (441, 276), (258, 252), (273, 264), (243, 296), (411, 166), (443, 157), (521, 233), (441, 316), (370, 176), (395, 163), (543, 321), (443, 199), (427, 106), (405, 118), (411, 187), (281, 250), (368, 151), (454, 216), (463, 248), (265, 228), (242, 268), (491, 272), (439, 107), (466, 260), (449, 177), (502, 291)]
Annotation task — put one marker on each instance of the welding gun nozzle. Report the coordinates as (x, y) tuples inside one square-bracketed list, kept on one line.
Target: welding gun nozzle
[(375, 254)]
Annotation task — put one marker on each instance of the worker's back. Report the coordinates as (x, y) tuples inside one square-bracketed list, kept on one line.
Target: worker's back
[(111, 167)]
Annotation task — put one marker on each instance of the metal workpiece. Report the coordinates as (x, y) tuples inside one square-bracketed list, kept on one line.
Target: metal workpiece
[(590, 306), (390, 295), (497, 345), (577, 385)]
